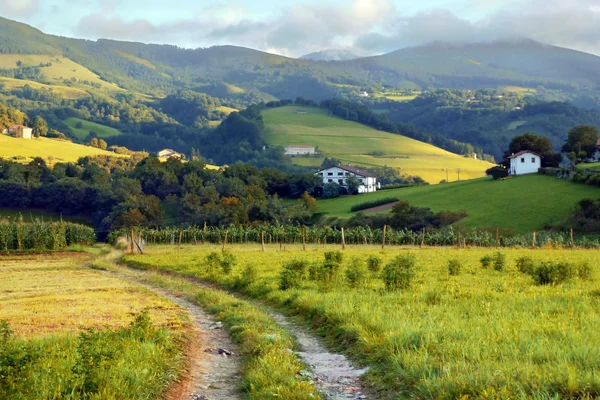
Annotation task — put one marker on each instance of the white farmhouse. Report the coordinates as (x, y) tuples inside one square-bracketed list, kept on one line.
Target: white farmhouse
[(20, 131), (299, 150), (525, 162), (339, 174), (363, 93)]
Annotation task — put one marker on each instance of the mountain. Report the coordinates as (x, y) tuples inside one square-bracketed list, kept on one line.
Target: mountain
[(330, 55)]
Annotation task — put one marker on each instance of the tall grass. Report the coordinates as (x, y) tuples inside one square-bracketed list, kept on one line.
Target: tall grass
[(43, 236)]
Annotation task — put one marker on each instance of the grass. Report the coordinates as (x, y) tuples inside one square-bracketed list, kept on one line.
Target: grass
[(227, 110), (480, 334), (353, 143), (517, 205), (519, 89), (65, 91), (61, 313), (102, 131), (592, 166), (62, 68), (51, 150)]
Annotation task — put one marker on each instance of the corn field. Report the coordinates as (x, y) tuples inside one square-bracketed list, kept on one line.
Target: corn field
[(360, 235), (43, 236)]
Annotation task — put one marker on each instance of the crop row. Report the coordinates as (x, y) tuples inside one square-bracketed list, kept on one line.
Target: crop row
[(43, 236), (360, 235)]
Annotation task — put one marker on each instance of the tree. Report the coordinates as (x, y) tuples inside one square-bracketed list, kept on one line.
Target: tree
[(582, 141), (40, 127), (102, 144), (331, 189), (537, 144), (93, 142), (309, 202), (353, 183), (79, 125), (497, 172)]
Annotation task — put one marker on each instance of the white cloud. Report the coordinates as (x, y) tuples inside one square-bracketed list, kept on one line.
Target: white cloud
[(18, 8)]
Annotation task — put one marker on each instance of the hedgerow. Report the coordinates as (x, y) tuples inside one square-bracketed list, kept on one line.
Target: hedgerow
[(374, 203)]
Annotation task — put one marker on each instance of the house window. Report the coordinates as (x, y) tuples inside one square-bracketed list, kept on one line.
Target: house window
[(533, 159), (330, 180), (320, 174), (340, 174), (341, 181), (362, 181), (330, 174), (522, 159)]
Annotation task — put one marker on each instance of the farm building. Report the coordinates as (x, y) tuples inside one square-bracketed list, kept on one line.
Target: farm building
[(169, 153), (20, 131), (363, 93), (339, 175), (525, 162), (299, 150)]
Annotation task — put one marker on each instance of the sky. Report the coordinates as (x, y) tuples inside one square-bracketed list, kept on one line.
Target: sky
[(297, 27)]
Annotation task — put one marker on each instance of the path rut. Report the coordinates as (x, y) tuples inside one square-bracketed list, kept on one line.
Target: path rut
[(211, 374)]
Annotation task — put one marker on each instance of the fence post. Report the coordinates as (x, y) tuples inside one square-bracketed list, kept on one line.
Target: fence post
[(262, 240), (304, 238), (423, 238), (533, 243), (384, 232), (572, 239), (132, 240), (497, 238), (343, 240), (180, 236), (225, 240)]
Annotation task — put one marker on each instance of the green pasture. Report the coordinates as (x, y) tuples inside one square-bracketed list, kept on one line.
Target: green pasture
[(355, 144), (102, 131), (515, 205)]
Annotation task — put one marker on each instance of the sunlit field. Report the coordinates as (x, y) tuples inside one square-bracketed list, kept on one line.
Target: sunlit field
[(457, 330)]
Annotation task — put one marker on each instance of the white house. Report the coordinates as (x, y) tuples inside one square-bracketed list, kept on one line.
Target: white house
[(525, 162), (20, 131), (363, 93), (339, 175), (299, 150)]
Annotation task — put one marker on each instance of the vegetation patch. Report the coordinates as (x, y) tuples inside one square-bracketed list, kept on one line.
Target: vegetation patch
[(82, 129), (374, 203)]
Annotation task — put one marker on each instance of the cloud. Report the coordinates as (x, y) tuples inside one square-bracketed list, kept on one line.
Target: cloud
[(363, 26), (18, 8)]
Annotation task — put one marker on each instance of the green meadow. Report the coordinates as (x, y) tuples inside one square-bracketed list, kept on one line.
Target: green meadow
[(516, 205), (102, 131), (361, 145)]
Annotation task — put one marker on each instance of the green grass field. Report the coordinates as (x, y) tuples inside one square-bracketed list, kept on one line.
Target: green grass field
[(484, 333), (102, 131), (51, 150), (65, 91), (517, 205), (353, 143)]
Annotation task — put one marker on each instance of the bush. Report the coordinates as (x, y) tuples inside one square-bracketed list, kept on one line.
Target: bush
[(486, 262), (329, 269), (526, 265), (584, 271), (293, 274), (552, 273), (399, 273), (334, 256), (499, 261), (497, 172), (228, 261), (374, 264), (356, 273), (374, 203), (454, 267), (225, 261)]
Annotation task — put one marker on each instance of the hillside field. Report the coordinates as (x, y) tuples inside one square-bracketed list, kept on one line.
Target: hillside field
[(65, 91), (516, 205), (355, 144), (102, 131), (51, 150)]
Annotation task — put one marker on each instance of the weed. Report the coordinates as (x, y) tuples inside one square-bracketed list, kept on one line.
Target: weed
[(374, 264), (356, 273), (486, 261), (293, 274), (400, 272), (454, 267), (526, 265), (499, 261), (552, 273)]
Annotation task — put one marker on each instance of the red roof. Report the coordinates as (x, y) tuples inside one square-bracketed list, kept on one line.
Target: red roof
[(524, 152)]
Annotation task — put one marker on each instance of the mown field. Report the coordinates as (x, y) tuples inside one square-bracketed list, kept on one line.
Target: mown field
[(51, 150), (493, 333), (355, 143), (516, 205), (67, 331), (102, 131)]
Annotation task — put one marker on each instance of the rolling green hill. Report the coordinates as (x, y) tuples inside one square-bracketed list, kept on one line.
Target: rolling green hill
[(515, 205), (361, 145), (51, 150), (102, 131)]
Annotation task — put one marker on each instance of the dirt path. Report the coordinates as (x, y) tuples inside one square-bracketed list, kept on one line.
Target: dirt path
[(384, 207), (212, 373)]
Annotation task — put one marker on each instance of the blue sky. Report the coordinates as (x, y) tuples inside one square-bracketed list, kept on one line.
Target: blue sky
[(296, 27)]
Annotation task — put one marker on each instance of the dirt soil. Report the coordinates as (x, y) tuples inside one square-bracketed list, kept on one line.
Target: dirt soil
[(384, 207)]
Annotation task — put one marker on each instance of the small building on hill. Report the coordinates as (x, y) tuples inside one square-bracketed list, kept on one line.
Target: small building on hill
[(170, 153), (525, 162), (340, 174), (363, 93), (299, 150), (20, 131)]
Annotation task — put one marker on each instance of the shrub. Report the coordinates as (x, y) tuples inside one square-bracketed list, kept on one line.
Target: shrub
[(293, 274), (526, 265), (552, 273), (454, 267), (486, 262), (374, 264), (228, 261), (497, 172), (374, 203), (356, 273), (399, 273), (584, 271), (334, 256), (247, 278), (499, 261), (212, 261)]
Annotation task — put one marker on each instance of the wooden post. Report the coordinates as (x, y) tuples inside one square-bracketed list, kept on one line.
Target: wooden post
[(533, 242), (303, 238), (132, 241), (180, 236), (384, 232), (343, 240), (225, 240), (280, 245), (497, 237), (572, 239), (262, 240), (423, 238)]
